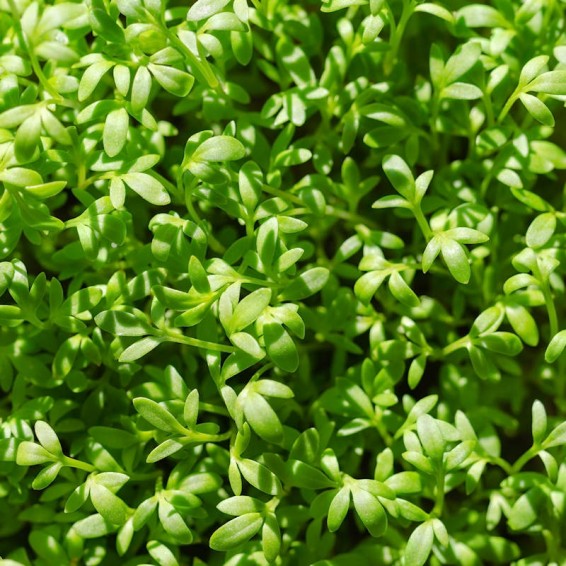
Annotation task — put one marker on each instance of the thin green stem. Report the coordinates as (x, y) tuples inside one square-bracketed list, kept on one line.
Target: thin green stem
[(201, 69), (380, 427), (505, 466), (457, 345), (188, 192), (282, 194), (508, 105), (197, 343), (397, 32), (349, 216), (34, 61), (488, 110), (550, 308), (73, 463), (422, 222), (439, 493), (203, 437), (528, 455)]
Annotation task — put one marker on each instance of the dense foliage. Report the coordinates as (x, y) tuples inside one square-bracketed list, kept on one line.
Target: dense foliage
[(282, 282)]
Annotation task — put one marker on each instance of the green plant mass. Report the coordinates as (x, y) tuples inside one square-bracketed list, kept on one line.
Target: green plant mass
[(282, 283)]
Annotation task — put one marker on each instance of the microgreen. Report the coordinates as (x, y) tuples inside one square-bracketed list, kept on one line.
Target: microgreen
[(282, 282)]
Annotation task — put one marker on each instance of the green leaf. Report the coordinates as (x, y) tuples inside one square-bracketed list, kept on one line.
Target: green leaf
[(523, 324), (259, 476), (115, 131), (539, 422), (555, 347), (456, 260), (198, 276), (157, 415), (139, 349), (110, 507), (400, 176), (280, 347), (480, 15), (552, 82), (370, 512), (147, 187), (306, 476), (461, 91), (532, 69), (172, 80), (249, 309), (91, 77), (504, 343), (31, 454), (416, 371), (401, 291), (537, 109), (240, 505), (46, 476), (123, 323), (219, 148), (525, 510), (488, 321), (248, 344), (307, 284), (557, 437), (173, 523), (141, 88), (48, 438), (93, 526), (262, 418), (431, 253), (236, 532), (461, 62), (431, 436), (466, 235), (419, 545), (271, 538), (203, 9), (459, 453), (161, 553), (266, 241), (144, 511), (165, 449), (46, 546), (338, 509), (271, 388), (541, 230), (191, 408)]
